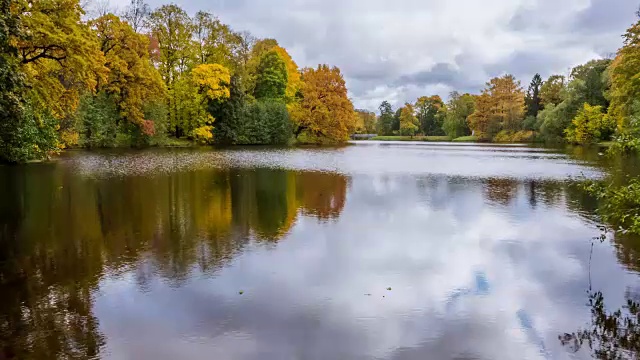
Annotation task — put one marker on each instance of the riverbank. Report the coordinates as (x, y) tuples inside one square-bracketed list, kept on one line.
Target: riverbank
[(425, 138)]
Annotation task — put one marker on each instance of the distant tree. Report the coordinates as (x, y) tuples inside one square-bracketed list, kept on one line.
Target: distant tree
[(431, 113), (409, 124), (366, 122), (459, 108), (136, 13), (551, 91), (396, 120), (533, 101), (385, 119)]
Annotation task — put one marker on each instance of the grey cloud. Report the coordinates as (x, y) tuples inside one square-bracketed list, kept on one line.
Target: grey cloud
[(388, 50)]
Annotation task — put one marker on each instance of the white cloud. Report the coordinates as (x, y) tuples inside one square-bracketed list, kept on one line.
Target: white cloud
[(377, 42)]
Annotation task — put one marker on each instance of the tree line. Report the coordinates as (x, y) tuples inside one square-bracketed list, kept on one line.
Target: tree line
[(149, 76), (597, 101)]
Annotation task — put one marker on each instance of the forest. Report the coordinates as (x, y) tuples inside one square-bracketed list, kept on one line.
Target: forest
[(597, 101), (161, 77), (149, 77)]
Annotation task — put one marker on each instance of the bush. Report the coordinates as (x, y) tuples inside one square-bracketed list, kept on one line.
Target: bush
[(590, 126), (264, 122), (97, 121)]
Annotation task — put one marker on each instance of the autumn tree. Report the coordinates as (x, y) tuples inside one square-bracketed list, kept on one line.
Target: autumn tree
[(483, 122), (366, 123), (260, 49), (459, 108), (409, 123), (551, 91), (211, 82), (325, 111), (272, 77), (500, 107), (384, 124), (132, 81), (216, 42), (431, 113), (590, 125), (172, 29)]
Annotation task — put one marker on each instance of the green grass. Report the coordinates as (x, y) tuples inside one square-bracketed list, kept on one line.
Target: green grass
[(606, 143), (466, 139), (410, 138)]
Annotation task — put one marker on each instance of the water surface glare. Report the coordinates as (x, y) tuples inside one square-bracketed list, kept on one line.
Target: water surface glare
[(369, 251)]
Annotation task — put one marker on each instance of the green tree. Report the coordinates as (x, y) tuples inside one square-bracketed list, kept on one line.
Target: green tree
[(409, 123), (431, 113), (272, 77), (384, 124), (229, 115), (590, 125), (533, 101), (459, 108), (551, 91)]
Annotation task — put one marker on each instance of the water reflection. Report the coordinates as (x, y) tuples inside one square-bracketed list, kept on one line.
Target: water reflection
[(101, 260)]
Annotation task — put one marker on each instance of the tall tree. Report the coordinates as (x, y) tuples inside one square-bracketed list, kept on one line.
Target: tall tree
[(172, 31), (384, 125), (483, 122), (625, 87), (325, 111), (136, 14), (409, 123), (272, 77), (552, 90), (366, 122), (430, 112), (459, 108), (500, 107), (533, 101), (132, 81)]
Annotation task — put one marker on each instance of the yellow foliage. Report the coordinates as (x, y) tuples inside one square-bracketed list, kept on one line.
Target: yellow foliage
[(69, 138), (212, 80), (203, 134), (325, 109)]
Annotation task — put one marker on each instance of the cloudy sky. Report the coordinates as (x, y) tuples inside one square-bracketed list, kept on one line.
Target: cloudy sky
[(399, 50)]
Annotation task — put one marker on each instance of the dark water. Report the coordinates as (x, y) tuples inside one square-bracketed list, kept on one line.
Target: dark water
[(372, 251)]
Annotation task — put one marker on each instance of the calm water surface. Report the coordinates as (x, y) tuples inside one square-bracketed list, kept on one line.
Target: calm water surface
[(371, 251)]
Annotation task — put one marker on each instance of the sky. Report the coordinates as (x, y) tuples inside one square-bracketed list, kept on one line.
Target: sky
[(400, 50)]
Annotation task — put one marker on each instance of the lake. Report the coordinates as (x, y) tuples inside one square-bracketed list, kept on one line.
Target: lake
[(369, 251)]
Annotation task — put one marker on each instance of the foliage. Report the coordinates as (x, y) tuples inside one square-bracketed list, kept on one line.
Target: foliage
[(430, 112), (95, 122), (272, 77), (324, 109), (265, 122), (506, 136), (499, 107), (132, 79), (590, 125), (229, 114), (612, 335), (366, 122), (624, 78), (551, 90), (619, 204), (459, 108), (212, 81), (409, 123), (533, 101), (384, 124), (411, 138)]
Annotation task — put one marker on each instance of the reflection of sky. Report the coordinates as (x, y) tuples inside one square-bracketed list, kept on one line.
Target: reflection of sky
[(469, 278)]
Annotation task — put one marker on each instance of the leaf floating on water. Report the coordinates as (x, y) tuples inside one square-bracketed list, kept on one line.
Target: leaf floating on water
[(389, 288), (367, 294), (241, 292)]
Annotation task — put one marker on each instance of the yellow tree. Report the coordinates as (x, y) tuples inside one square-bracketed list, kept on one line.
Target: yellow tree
[(625, 80), (325, 111), (59, 54), (482, 122), (212, 82), (409, 123), (132, 80)]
